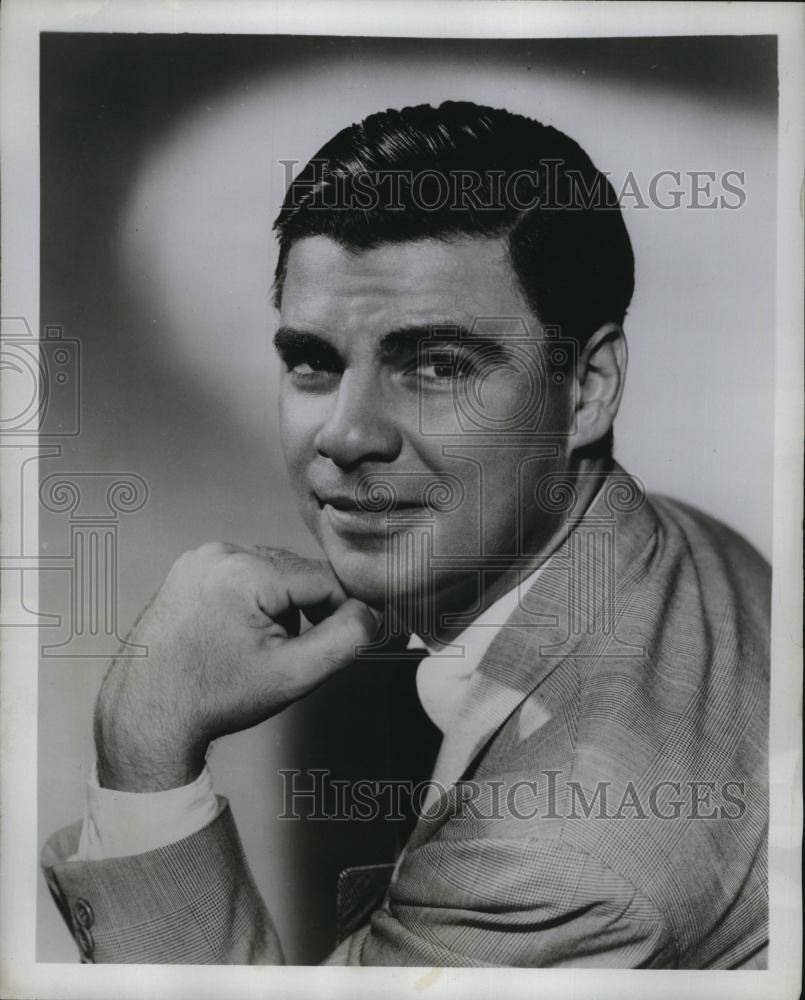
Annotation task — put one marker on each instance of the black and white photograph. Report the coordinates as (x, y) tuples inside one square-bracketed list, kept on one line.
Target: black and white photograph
[(402, 456)]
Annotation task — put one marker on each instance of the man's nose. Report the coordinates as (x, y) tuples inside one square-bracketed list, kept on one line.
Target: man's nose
[(360, 428)]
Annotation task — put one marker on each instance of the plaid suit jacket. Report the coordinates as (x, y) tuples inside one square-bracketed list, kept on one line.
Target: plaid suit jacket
[(612, 807)]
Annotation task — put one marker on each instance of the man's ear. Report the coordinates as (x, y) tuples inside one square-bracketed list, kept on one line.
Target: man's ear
[(600, 376)]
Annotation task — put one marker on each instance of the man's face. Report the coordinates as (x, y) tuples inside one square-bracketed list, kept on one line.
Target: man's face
[(370, 396)]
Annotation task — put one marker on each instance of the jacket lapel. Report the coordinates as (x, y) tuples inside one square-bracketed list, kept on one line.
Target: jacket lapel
[(570, 611)]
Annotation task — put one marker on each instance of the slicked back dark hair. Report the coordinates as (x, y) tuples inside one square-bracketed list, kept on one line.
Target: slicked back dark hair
[(383, 181)]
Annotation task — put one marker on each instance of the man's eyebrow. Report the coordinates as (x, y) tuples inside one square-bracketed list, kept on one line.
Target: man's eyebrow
[(288, 339), (406, 339), (402, 341)]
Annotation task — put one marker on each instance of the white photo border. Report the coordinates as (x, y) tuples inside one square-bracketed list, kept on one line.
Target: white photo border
[(22, 21)]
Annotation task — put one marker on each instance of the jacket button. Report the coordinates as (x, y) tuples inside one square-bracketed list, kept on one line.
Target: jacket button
[(86, 943), (82, 913)]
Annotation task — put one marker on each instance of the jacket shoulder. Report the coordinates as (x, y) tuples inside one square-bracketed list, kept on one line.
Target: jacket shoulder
[(697, 525)]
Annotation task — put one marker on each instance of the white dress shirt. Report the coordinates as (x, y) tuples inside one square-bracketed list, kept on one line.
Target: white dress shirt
[(442, 677), (117, 824)]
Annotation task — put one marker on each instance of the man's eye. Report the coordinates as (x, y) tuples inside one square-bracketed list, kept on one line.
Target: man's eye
[(439, 369), (306, 368), (312, 369), (459, 365), (438, 373)]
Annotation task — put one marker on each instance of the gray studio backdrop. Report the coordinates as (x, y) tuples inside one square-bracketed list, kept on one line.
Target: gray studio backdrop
[(161, 175)]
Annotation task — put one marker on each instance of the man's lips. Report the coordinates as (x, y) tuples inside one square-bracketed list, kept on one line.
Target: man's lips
[(348, 502), (349, 517), (391, 497)]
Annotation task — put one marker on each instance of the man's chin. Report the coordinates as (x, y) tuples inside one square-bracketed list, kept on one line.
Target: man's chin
[(362, 576), (368, 578)]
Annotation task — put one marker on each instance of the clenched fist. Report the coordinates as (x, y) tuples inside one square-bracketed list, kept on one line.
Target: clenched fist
[(224, 653)]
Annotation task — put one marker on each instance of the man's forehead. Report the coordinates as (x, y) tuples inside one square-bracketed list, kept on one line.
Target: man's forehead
[(396, 285)]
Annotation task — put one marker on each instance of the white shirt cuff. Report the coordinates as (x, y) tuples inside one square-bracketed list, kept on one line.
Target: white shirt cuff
[(118, 824)]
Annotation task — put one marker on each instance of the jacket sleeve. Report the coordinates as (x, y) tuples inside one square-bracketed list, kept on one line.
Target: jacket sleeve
[(487, 902), (480, 902), (193, 901)]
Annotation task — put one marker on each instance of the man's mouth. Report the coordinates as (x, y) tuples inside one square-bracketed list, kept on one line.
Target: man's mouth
[(347, 514), (366, 506)]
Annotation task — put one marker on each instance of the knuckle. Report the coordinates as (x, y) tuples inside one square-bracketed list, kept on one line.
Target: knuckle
[(269, 552), (283, 560), (237, 566), (196, 563), (357, 625), (287, 561), (213, 551), (357, 612), (239, 572)]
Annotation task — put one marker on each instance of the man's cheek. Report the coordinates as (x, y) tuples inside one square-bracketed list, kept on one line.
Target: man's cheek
[(297, 442), (292, 414)]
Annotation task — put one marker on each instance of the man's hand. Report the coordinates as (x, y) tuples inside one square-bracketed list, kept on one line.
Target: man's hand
[(224, 653)]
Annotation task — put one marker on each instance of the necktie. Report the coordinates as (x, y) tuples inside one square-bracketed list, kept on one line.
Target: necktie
[(413, 737), (413, 743)]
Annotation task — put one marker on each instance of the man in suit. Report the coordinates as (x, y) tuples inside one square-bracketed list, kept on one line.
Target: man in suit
[(452, 284)]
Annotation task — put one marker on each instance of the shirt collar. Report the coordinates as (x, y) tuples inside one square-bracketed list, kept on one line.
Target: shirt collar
[(478, 635)]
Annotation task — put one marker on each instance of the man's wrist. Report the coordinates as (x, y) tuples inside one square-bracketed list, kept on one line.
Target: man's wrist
[(138, 776), (128, 765), (154, 756)]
